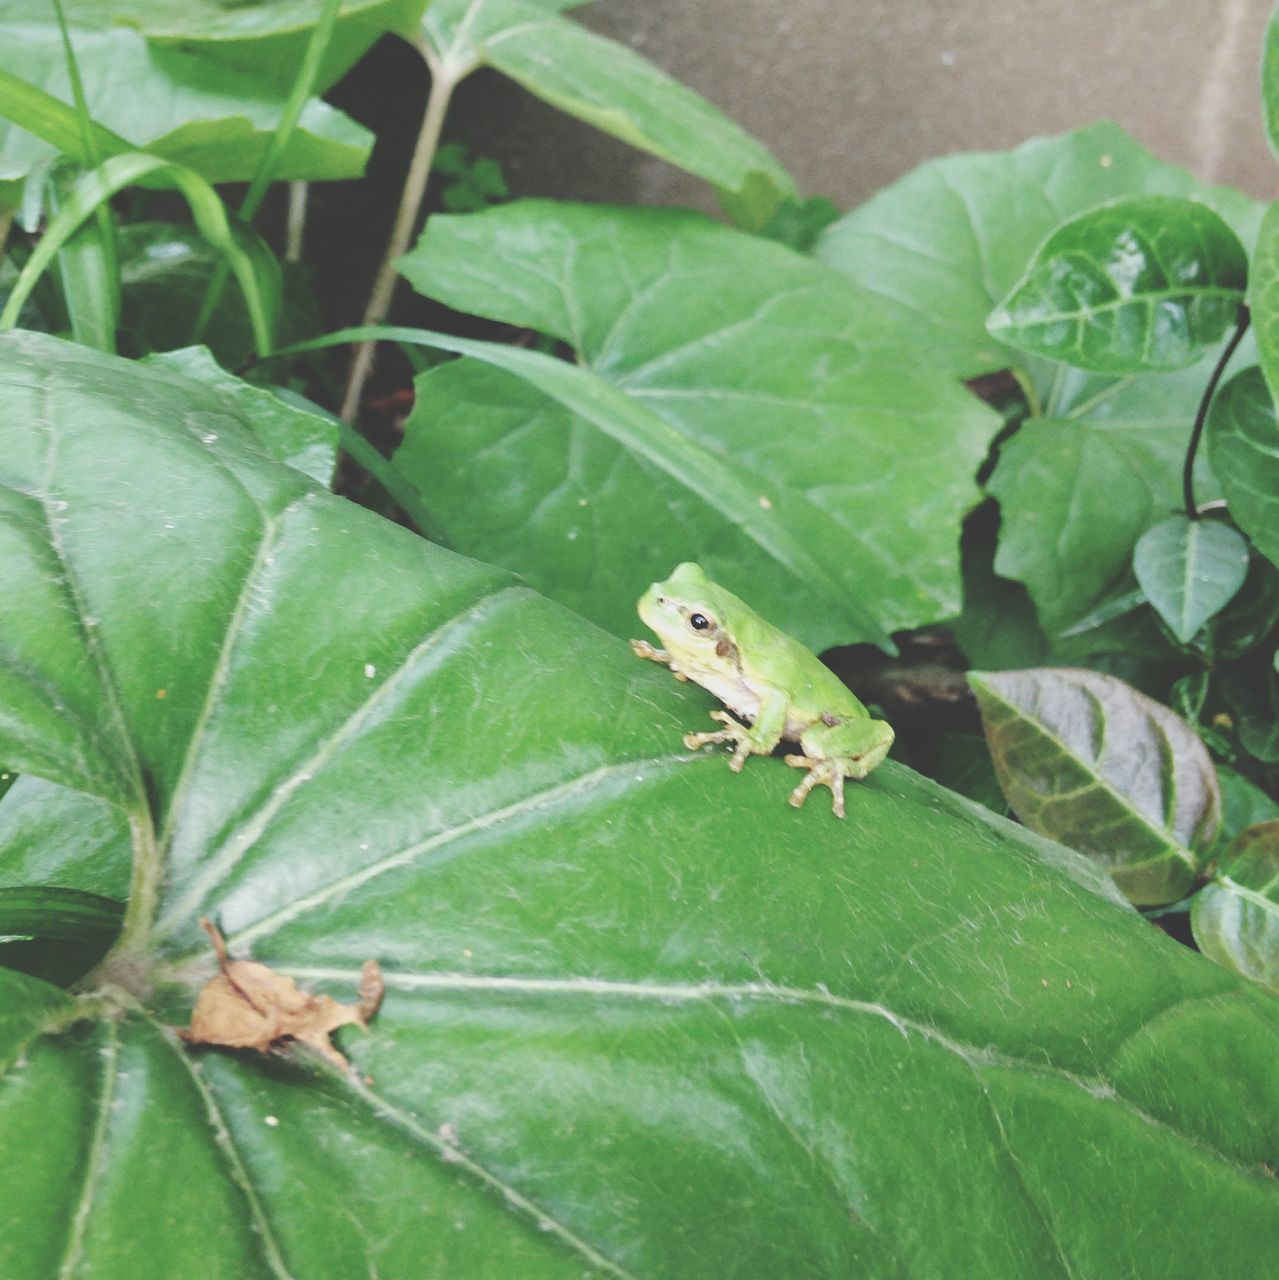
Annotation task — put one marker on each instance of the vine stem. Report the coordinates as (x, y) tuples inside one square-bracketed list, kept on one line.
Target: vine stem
[(1201, 416), (444, 79)]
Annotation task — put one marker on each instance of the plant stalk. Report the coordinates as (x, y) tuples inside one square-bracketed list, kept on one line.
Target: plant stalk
[(444, 80), (1201, 416), (144, 886), (296, 229)]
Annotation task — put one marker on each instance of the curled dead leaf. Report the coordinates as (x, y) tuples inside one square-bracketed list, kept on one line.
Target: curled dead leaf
[(247, 1005)]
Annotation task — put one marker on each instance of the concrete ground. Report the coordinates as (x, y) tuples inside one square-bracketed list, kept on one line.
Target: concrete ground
[(851, 94)]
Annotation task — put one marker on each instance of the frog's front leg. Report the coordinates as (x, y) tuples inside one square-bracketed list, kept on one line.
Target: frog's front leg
[(835, 752), (758, 738), (642, 649)]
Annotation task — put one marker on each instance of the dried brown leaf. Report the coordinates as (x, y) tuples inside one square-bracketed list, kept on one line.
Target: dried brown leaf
[(247, 1005)]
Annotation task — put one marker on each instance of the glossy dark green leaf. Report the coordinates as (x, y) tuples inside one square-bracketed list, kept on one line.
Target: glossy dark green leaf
[(1086, 759), (611, 87), (943, 245), (1190, 570), (1140, 285), (776, 438), (1236, 916), (1243, 443), (643, 1017)]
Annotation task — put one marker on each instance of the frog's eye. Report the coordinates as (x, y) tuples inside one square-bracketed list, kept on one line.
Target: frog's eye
[(699, 622)]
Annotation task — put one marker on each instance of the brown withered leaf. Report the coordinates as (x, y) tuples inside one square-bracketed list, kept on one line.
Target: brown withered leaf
[(250, 1006)]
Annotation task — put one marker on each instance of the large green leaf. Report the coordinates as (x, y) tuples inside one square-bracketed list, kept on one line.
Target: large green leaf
[(773, 435), (1138, 285), (947, 242), (611, 87), (1087, 760), (1243, 443), (180, 104), (643, 1017)]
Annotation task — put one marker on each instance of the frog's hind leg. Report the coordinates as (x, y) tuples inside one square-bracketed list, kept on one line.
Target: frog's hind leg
[(836, 752)]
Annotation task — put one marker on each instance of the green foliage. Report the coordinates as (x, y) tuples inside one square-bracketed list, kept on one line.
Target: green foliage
[(1243, 446), (184, 102), (1139, 285), (587, 986), (1236, 918), (763, 402), (474, 182), (1190, 570), (642, 1017)]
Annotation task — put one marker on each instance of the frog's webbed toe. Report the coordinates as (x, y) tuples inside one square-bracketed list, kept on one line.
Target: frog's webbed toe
[(734, 731), (829, 772)]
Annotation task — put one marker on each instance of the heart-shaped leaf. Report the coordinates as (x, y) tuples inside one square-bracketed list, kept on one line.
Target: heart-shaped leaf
[(611, 87), (1190, 570), (643, 1018), (1236, 917), (778, 440), (1086, 759), (1243, 444), (1142, 284)]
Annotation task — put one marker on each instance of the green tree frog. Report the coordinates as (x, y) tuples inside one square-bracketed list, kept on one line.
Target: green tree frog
[(766, 678)]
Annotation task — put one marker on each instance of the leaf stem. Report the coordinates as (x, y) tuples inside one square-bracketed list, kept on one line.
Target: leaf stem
[(444, 79), (1201, 416), (144, 885)]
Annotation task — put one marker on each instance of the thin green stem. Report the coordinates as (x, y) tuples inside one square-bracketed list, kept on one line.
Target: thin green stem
[(1201, 416), (444, 80)]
